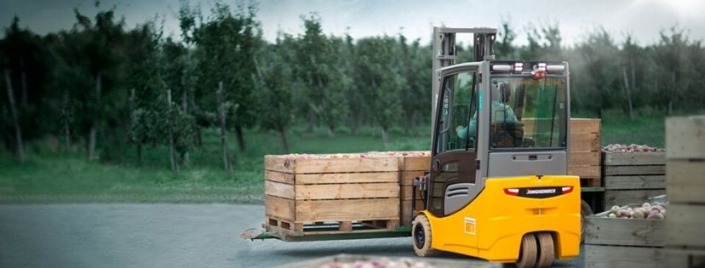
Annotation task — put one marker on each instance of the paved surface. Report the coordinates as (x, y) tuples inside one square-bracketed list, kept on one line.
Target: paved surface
[(156, 235)]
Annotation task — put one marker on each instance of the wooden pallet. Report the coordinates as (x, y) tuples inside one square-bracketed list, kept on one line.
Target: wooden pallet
[(285, 227)]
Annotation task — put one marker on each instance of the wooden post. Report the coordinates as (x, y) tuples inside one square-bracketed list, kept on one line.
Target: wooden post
[(13, 110)]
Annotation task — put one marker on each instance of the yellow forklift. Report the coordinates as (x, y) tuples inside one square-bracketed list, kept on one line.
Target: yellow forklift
[(498, 188)]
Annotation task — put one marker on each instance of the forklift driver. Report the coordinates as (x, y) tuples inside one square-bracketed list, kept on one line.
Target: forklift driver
[(500, 111)]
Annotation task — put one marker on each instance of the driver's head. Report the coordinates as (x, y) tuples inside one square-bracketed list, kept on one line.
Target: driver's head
[(501, 92)]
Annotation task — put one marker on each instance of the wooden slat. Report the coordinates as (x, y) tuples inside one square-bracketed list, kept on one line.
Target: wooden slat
[(628, 197), (365, 177), (584, 158), (685, 181), (685, 137), (624, 232), (577, 125), (407, 192), (599, 256), (279, 208), (332, 163), (414, 163), (347, 210), (635, 182), (342, 165), (684, 225), (279, 176), (407, 177), (278, 163), (635, 170), (346, 191), (585, 125), (585, 142), (584, 171), (630, 159), (279, 189)]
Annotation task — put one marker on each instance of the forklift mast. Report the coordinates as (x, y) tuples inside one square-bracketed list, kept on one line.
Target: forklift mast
[(444, 53)]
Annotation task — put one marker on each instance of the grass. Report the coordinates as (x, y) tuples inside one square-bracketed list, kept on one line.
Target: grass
[(54, 174)]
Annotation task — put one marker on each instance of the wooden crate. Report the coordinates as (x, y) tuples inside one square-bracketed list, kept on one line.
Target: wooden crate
[(685, 137), (633, 177), (413, 165), (615, 242), (585, 151), (304, 192), (684, 225), (685, 181)]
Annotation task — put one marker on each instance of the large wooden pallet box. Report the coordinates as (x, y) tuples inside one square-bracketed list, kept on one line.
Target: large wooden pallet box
[(685, 187), (303, 192), (615, 242), (584, 149), (413, 165), (632, 177)]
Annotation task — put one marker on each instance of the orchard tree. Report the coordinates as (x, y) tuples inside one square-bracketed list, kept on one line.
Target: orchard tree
[(380, 80)]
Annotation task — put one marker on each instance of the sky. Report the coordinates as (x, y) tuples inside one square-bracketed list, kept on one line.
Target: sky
[(641, 19)]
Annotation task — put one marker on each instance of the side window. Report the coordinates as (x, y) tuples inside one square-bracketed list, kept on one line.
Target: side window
[(458, 119)]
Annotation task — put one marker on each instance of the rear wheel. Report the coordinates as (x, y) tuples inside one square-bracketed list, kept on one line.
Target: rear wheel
[(585, 211), (421, 234), (547, 251), (528, 251)]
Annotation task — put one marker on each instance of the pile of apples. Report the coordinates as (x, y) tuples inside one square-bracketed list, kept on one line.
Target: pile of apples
[(649, 211), (632, 148)]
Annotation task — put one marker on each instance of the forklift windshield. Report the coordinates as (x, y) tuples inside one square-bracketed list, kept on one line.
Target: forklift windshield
[(528, 112)]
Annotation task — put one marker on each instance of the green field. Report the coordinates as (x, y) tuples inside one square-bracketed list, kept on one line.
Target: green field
[(54, 174)]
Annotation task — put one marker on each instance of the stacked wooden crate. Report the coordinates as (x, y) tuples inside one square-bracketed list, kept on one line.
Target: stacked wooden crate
[(685, 185), (413, 165), (331, 193), (585, 151), (615, 242), (632, 177)]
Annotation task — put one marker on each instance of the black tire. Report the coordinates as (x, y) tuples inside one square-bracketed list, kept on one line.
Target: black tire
[(528, 252), (585, 211), (421, 235)]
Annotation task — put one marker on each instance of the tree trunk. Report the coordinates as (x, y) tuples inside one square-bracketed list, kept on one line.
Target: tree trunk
[(385, 138), (331, 133), (240, 138), (627, 93), (285, 142), (13, 110), (172, 143), (138, 143), (93, 132), (140, 155), (223, 130), (23, 79), (67, 125)]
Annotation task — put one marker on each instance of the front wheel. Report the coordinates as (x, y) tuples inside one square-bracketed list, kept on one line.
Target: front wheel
[(421, 234)]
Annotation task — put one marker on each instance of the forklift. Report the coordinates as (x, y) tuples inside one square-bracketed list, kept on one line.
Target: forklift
[(498, 187)]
